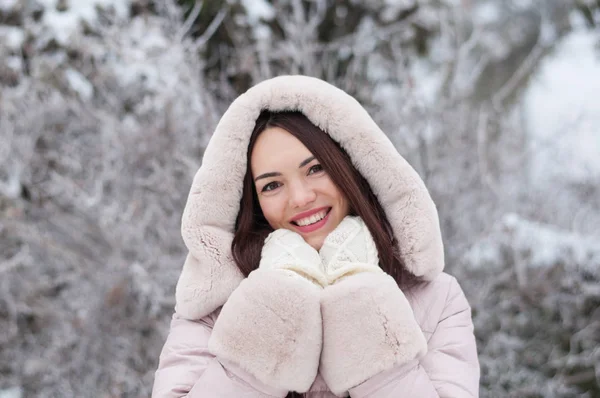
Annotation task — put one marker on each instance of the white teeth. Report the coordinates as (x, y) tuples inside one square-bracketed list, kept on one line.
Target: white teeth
[(312, 219)]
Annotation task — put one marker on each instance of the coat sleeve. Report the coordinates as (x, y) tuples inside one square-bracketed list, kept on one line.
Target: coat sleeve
[(187, 368), (450, 367)]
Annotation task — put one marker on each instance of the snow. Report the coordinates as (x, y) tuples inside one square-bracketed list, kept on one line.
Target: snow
[(14, 63), (257, 10), (562, 112), (14, 392), (486, 13), (63, 25), (452, 3), (496, 44), (427, 80), (48, 4), (545, 245), (142, 60), (145, 43), (393, 8), (120, 7), (400, 3), (79, 84), (535, 244), (548, 33), (8, 5), (522, 4), (12, 37), (386, 92)]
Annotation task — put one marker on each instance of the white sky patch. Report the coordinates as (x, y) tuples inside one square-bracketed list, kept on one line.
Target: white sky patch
[(562, 111)]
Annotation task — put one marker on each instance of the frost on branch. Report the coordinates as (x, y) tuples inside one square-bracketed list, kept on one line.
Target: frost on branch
[(104, 120), (536, 308)]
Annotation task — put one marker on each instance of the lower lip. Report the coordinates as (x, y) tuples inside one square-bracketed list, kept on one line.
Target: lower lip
[(313, 227)]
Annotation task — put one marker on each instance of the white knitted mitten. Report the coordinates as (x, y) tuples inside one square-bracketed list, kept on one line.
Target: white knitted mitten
[(287, 250), (348, 250)]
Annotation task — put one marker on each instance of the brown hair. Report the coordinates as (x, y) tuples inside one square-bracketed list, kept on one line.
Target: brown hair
[(252, 228)]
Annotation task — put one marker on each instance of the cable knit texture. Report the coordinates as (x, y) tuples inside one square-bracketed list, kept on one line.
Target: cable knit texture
[(349, 249), (285, 249)]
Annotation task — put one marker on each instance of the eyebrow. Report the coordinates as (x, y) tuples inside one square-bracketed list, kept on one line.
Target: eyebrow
[(306, 161), (276, 173)]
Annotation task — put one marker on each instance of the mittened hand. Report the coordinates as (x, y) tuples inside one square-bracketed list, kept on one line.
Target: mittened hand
[(368, 324), (349, 249), (270, 326), (287, 250)]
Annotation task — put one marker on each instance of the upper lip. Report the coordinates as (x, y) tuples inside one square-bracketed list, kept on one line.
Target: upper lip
[(308, 213)]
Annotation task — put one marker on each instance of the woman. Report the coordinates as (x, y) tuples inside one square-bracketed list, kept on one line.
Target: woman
[(315, 262)]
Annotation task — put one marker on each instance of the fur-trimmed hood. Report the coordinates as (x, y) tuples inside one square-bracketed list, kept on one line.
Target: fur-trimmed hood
[(209, 274)]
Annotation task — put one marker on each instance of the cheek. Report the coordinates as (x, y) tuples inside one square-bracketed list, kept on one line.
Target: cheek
[(273, 210), (341, 199), (346, 205)]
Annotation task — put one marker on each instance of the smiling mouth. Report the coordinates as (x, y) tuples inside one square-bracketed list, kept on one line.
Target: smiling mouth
[(312, 220)]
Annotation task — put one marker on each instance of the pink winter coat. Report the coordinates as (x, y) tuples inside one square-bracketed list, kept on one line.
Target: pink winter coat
[(449, 368), (239, 337)]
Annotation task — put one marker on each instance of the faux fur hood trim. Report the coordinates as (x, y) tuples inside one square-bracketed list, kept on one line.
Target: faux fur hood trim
[(209, 274)]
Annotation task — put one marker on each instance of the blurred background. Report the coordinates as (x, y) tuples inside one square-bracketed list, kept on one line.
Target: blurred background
[(106, 107)]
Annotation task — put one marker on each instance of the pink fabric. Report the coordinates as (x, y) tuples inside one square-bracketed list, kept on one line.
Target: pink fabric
[(450, 368)]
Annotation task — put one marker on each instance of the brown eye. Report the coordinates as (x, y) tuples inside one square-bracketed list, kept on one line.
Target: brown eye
[(315, 169), (270, 186)]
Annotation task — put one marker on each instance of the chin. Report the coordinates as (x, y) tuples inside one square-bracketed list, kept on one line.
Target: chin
[(316, 243)]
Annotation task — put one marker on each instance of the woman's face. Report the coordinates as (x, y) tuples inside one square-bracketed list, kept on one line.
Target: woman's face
[(294, 191)]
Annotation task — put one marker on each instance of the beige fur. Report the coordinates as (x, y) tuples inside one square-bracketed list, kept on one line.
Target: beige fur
[(209, 274), (368, 327), (282, 344)]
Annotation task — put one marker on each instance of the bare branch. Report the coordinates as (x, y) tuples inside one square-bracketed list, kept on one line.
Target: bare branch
[(189, 22)]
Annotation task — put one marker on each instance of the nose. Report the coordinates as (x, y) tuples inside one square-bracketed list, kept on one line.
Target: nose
[(301, 194)]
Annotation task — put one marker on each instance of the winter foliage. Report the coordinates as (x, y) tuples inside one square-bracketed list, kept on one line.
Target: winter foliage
[(106, 107)]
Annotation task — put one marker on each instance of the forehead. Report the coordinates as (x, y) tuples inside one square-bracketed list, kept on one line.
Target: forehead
[(276, 149)]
